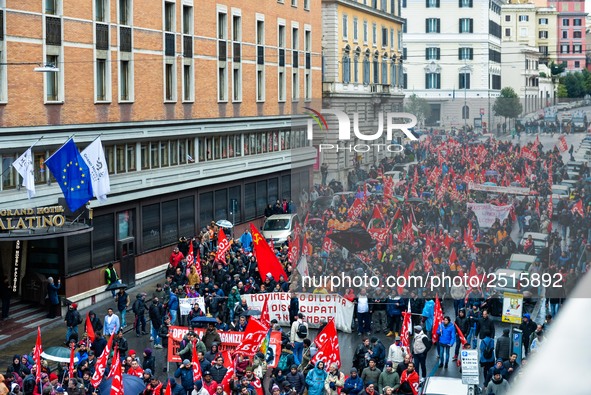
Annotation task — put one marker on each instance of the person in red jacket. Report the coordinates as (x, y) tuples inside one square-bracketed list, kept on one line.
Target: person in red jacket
[(409, 382), (208, 383), (136, 369)]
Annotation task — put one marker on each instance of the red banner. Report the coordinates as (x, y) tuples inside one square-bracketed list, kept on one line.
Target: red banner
[(562, 144), (253, 337), (117, 383), (379, 235), (266, 259), (327, 342), (37, 354), (101, 364), (230, 340)]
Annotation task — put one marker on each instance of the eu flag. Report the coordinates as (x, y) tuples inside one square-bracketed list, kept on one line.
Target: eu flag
[(72, 175)]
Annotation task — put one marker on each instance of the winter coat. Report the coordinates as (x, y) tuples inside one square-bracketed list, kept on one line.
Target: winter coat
[(217, 373), (370, 375), (428, 314), (502, 348), (315, 380), (338, 379), (464, 324), (395, 306), (155, 313), (52, 293), (139, 306), (296, 381), (497, 387), (487, 342), (353, 386), (388, 380), (210, 337), (186, 376), (486, 327), (233, 298), (447, 334)]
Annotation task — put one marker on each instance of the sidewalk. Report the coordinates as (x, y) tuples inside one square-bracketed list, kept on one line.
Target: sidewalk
[(53, 333)]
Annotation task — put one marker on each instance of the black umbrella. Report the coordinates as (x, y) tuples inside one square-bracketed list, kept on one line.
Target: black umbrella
[(116, 285), (414, 200), (354, 239), (249, 313), (57, 354), (132, 385), (481, 244), (204, 319)]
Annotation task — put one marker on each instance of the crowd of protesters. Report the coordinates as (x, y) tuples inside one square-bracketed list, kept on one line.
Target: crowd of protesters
[(430, 230)]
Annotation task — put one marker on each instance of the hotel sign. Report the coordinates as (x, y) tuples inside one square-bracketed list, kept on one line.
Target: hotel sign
[(32, 218)]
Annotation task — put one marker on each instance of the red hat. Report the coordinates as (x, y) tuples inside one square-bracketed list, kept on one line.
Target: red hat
[(131, 352), (74, 306), (53, 376)]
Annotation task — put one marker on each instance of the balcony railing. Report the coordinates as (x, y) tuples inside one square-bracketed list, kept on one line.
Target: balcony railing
[(125, 39), (169, 44), (102, 36), (53, 30), (188, 46)]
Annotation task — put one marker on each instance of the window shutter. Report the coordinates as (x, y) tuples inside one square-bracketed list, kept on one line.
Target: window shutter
[(438, 25), (427, 81), (427, 53), (467, 80), (461, 25), (460, 85), (460, 53), (438, 79), (471, 25), (471, 3), (437, 4), (471, 53), (438, 53), (427, 25)]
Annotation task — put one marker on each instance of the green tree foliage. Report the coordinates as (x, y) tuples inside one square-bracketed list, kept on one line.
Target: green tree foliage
[(574, 84), (418, 107), (561, 92), (507, 104)]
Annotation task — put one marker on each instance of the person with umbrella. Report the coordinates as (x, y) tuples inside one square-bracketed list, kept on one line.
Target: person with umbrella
[(111, 277)]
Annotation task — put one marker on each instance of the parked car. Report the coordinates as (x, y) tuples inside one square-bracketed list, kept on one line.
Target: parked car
[(516, 274), (278, 227)]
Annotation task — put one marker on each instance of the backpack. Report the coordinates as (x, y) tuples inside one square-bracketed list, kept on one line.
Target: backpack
[(78, 317), (282, 365), (488, 351), (302, 331), (428, 343), (136, 306)]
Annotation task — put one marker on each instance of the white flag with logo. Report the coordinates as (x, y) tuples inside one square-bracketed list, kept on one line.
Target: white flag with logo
[(24, 166), (302, 267), (94, 156)]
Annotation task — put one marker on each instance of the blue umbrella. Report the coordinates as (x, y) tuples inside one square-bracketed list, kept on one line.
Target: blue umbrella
[(132, 385), (491, 173), (490, 184)]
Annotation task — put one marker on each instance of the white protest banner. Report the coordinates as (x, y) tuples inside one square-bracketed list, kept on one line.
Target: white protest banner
[(316, 308), (498, 189), (186, 304), (488, 213)]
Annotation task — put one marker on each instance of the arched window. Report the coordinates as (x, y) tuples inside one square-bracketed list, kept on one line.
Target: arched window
[(346, 68), (385, 69), (376, 69), (393, 71), (366, 71), (356, 65), (465, 112)]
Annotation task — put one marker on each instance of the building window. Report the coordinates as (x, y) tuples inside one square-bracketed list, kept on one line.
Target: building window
[(307, 5), (125, 79), (308, 65), (543, 21), (432, 81), (566, 22), (432, 53), (260, 76), (356, 68), (365, 32), (374, 30), (124, 12), (385, 70), (366, 71), (101, 10), (507, 18), (222, 56), (392, 38), (236, 58), (543, 34), (101, 80), (433, 25), (51, 7), (577, 64), (496, 82), (564, 48), (577, 22), (543, 49), (345, 27), (294, 3), (523, 18), (169, 82), (295, 75), (507, 32), (384, 37), (577, 48), (376, 70), (466, 4), (432, 4), (187, 82), (464, 81), (169, 17), (565, 34), (281, 82), (53, 80), (355, 33), (577, 34), (346, 68), (466, 53), (466, 25), (465, 111)]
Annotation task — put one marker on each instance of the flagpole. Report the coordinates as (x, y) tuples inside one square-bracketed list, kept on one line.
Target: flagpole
[(70, 138)]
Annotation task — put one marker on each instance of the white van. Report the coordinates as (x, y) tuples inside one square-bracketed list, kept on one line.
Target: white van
[(278, 227)]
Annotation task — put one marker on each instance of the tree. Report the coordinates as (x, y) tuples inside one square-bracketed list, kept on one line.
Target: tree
[(574, 83), (507, 104), (418, 107), (561, 91)]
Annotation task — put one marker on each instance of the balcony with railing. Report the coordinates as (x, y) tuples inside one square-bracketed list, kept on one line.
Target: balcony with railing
[(53, 30), (169, 44), (102, 36)]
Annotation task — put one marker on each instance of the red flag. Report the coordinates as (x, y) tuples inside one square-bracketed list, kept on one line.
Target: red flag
[(437, 319), (365, 191), (453, 256), (226, 380), (578, 208), (388, 187), (406, 273), (327, 342), (101, 364), (448, 240), (89, 328), (397, 214), (117, 384), (191, 252), (327, 242), (562, 144), (258, 386), (377, 214), (223, 246), (473, 271), (460, 335), (356, 209), (265, 318), (168, 390), (406, 327), (538, 207), (37, 354), (72, 354), (197, 374), (266, 259), (198, 263), (254, 335)]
